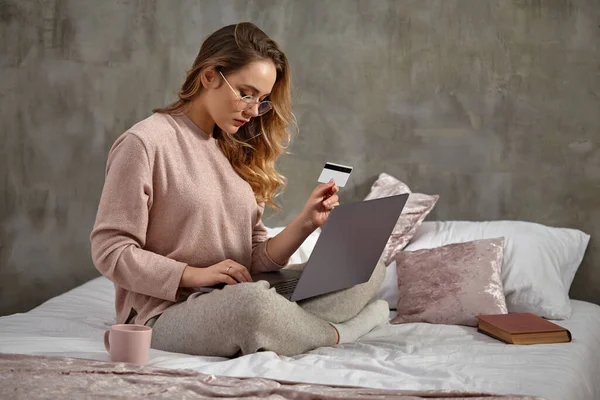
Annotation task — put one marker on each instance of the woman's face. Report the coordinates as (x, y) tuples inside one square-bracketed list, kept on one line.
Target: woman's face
[(225, 107)]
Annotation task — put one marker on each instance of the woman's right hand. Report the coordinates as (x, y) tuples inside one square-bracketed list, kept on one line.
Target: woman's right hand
[(227, 271)]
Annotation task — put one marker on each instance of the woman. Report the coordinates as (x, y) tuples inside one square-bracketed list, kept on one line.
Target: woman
[(181, 208)]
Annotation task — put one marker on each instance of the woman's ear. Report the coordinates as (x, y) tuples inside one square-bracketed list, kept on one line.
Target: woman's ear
[(210, 78)]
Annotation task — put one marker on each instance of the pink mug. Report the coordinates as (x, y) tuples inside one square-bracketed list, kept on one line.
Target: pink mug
[(128, 343)]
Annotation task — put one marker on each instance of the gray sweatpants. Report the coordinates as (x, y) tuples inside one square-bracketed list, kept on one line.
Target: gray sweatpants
[(249, 317)]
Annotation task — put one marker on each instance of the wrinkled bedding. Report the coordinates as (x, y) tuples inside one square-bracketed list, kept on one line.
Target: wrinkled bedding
[(416, 356), (37, 377)]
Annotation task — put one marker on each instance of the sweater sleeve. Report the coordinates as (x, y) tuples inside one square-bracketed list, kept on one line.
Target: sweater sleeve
[(261, 262), (119, 233)]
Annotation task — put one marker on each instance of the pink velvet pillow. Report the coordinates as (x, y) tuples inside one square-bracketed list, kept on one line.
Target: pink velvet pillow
[(416, 209), (452, 284)]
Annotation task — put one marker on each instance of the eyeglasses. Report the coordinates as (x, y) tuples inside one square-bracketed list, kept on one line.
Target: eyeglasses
[(246, 102)]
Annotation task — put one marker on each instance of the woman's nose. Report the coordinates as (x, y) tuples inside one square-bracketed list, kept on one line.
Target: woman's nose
[(253, 110)]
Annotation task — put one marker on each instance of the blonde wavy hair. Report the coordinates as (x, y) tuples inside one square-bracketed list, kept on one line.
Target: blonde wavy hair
[(258, 144)]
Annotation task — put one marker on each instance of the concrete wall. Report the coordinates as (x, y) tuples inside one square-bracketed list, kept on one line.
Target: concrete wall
[(495, 105)]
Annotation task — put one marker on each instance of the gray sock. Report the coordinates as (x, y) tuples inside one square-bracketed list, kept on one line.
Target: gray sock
[(373, 315)]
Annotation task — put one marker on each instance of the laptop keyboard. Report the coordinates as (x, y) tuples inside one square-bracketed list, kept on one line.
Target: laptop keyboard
[(286, 288)]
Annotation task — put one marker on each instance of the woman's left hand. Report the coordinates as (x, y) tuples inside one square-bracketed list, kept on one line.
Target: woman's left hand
[(320, 203)]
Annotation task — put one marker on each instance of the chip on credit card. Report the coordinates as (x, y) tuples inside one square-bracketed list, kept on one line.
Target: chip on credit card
[(339, 173)]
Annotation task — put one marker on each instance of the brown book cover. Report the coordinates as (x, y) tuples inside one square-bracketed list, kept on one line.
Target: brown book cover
[(522, 328)]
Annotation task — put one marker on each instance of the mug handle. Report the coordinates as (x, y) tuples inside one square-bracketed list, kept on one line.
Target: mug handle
[(106, 342)]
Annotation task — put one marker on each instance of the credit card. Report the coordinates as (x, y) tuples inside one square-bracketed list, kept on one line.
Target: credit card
[(339, 173)]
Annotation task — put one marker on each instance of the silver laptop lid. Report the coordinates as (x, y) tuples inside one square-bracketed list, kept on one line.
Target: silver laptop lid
[(349, 246)]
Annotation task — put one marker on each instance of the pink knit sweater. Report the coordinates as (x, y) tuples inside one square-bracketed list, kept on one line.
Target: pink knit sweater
[(171, 199)]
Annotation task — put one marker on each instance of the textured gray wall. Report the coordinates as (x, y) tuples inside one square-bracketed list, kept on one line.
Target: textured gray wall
[(495, 105)]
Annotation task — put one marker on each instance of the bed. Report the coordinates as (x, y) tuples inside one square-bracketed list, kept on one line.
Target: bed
[(416, 356), (425, 358)]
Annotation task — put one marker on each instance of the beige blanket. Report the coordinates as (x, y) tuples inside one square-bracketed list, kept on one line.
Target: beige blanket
[(36, 377)]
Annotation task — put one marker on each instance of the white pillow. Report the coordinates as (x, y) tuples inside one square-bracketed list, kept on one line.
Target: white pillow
[(540, 262), (388, 290)]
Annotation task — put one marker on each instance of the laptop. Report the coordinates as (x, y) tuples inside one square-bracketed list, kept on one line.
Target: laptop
[(348, 249)]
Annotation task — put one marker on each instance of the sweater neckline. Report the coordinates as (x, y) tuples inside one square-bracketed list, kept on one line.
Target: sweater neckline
[(193, 127)]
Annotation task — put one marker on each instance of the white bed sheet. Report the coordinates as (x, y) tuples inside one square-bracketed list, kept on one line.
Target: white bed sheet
[(410, 356)]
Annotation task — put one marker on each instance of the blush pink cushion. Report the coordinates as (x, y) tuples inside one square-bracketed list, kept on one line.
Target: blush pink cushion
[(452, 284), (416, 209)]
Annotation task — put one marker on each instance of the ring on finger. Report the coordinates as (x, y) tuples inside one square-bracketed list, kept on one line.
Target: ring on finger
[(227, 272)]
